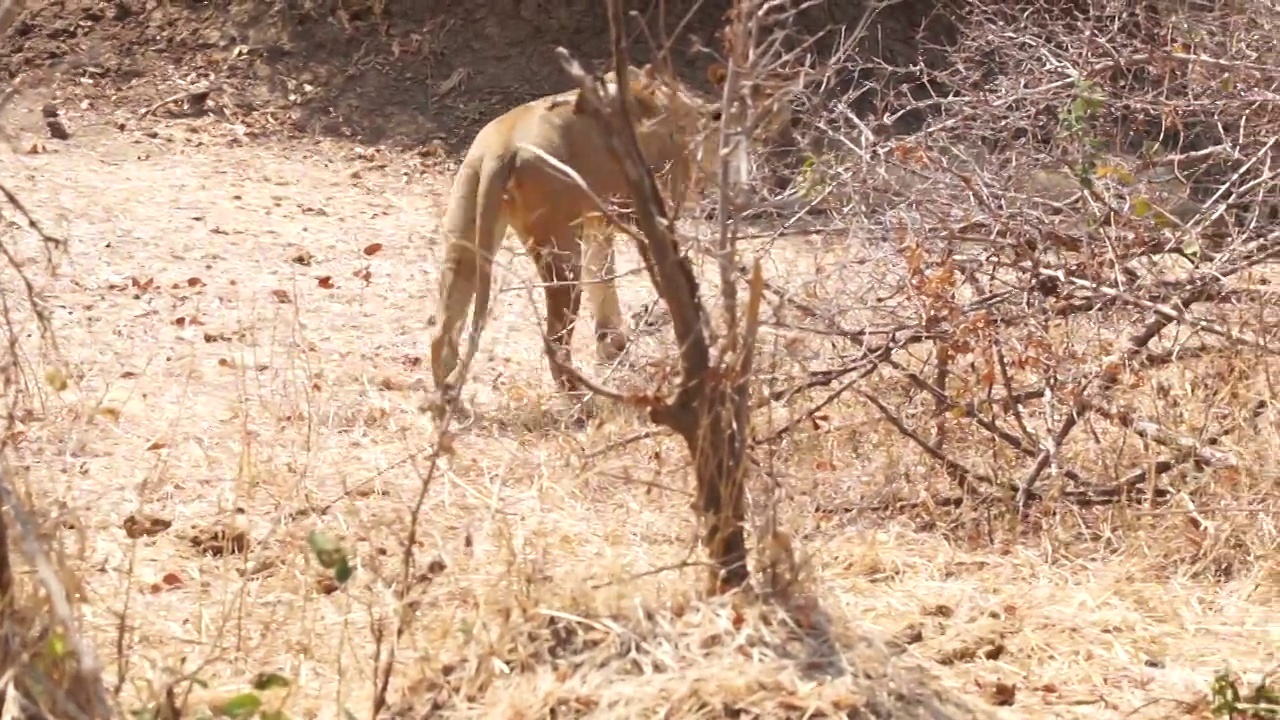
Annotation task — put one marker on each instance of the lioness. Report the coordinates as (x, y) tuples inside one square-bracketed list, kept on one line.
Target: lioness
[(501, 184)]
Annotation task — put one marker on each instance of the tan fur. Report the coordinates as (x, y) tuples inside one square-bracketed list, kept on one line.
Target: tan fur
[(501, 185)]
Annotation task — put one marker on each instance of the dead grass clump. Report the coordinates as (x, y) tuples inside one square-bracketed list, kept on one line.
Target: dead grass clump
[(722, 658)]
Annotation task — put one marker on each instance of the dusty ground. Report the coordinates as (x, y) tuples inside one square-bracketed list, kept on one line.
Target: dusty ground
[(240, 316)]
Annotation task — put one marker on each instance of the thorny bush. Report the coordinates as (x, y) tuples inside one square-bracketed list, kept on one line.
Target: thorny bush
[(1061, 304)]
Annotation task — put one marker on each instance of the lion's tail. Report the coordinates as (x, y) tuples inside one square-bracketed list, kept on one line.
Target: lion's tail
[(495, 173)]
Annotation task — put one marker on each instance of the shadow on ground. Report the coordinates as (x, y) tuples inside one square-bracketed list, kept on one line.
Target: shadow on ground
[(421, 76)]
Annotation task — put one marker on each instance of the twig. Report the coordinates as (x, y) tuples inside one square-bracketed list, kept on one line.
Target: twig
[(192, 98), (952, 467)]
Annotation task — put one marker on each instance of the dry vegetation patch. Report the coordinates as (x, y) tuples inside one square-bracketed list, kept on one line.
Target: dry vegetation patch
[(1012, 436)]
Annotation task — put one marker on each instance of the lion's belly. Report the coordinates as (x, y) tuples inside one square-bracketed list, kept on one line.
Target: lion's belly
[(545, 209)]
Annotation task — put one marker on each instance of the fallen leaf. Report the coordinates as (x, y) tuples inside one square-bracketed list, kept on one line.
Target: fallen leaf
[(364, 274), (372, 248), (57, 129), (910, 634), (217, 542), (107, 412), (326, 282), (302, 257), (281, 296), (1001, 694), (327, 585), (938, 610), (56, 379), (157, 445), (389, 383), (137, 526)]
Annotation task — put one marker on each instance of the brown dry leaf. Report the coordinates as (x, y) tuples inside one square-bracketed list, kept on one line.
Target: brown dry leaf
[(56, 379), (184, 321), (281, 296), (372, 248), (157, 444), (364, 274), (138, 526), (195, 282), (389, 383), (219, 541), (170, 581), (36, 148), (326, 585), (433, 149), (302, 256), (1001, 694), (365, 491), (108, 412), (910, 634), (326, 282), (940, 610)]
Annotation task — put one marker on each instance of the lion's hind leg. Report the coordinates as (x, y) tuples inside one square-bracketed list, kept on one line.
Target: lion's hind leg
[(457, 289), (464, 278), (558, 267)]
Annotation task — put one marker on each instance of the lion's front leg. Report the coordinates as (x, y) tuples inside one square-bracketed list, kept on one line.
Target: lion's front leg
[(598, 271)]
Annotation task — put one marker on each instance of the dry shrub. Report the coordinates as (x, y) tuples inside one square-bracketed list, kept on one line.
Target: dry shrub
[(1055, 292)]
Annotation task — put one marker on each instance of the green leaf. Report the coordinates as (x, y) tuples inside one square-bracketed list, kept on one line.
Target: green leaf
[(241, 706), (1115, 171), (273, 715), (1142, 207), (58, 645), (328, 551), (343, 572), (268, 680)]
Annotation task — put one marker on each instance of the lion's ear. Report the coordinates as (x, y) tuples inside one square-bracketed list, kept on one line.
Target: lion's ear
[(717, 74)]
